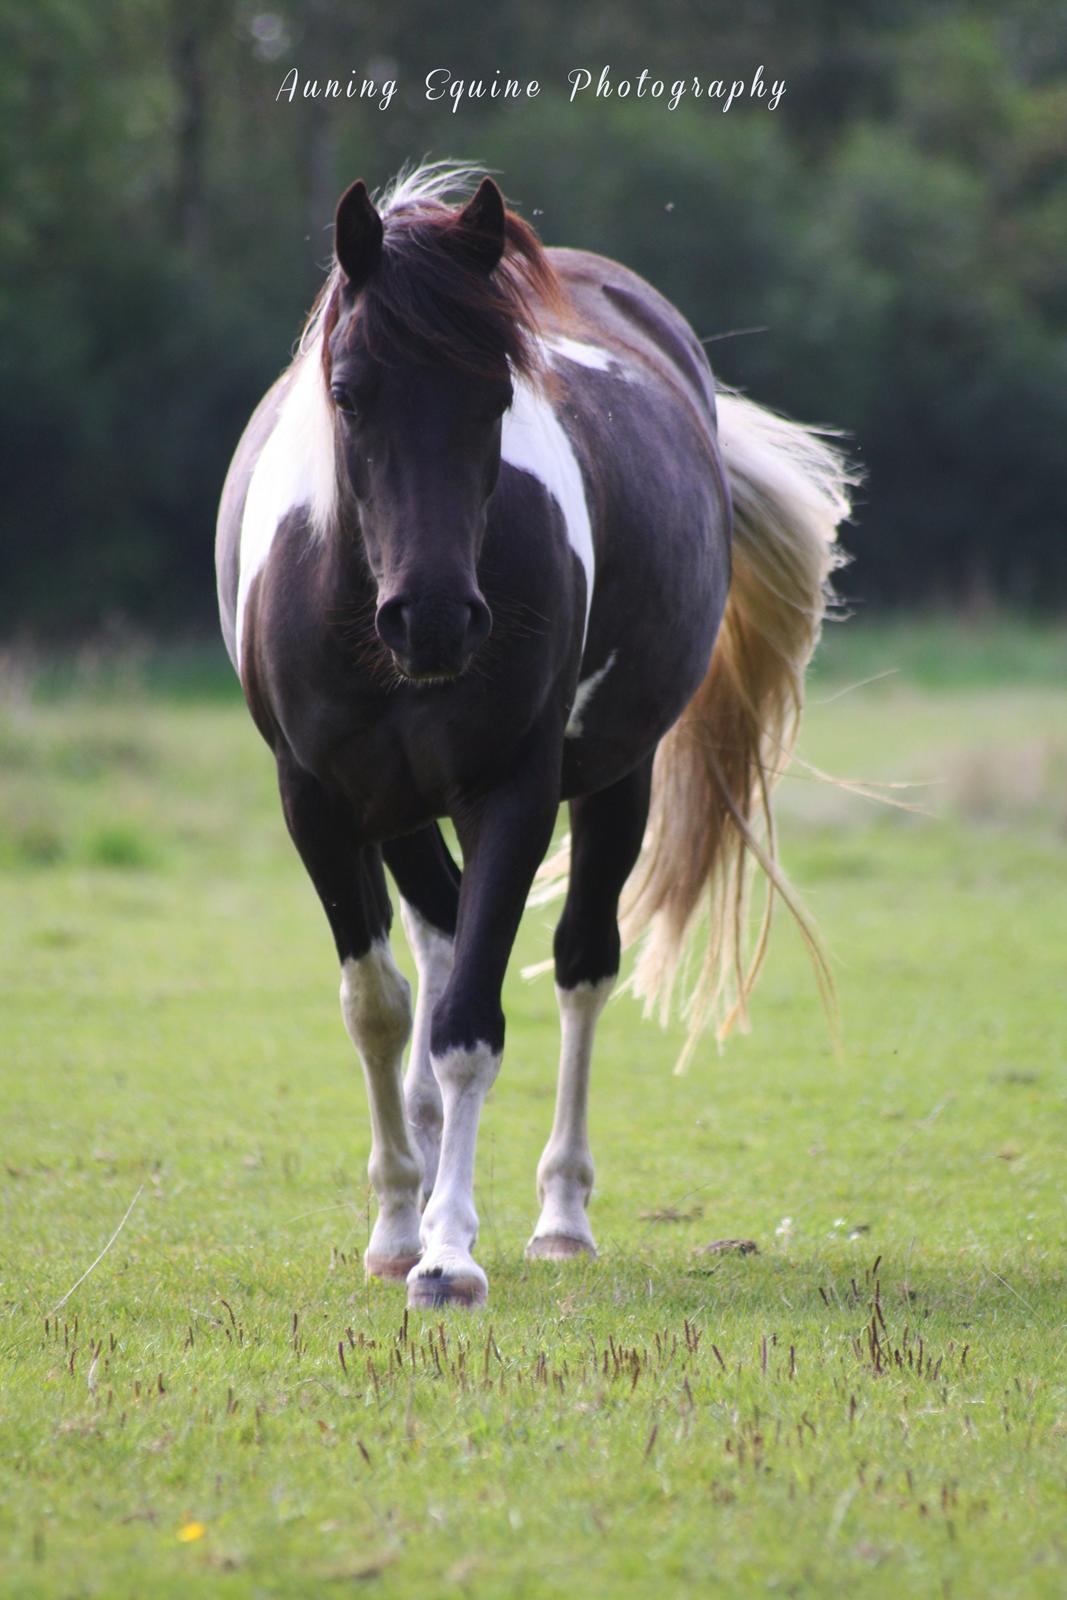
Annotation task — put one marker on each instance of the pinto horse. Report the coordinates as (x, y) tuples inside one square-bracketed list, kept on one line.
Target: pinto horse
[(474, 558)]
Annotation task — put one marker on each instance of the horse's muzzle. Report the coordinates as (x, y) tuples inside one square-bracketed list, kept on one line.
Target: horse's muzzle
[(433, 638)]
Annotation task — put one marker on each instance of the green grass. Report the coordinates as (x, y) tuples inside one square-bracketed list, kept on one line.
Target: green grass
[(873, 1404), (943, 652)]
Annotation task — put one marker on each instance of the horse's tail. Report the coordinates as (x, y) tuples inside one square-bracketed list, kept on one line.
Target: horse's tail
[(711, 818)]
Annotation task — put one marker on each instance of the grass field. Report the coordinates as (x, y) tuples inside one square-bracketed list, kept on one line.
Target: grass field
[(873, 1404)]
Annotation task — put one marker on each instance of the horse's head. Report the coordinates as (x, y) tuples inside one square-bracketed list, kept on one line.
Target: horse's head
[(422, 337)]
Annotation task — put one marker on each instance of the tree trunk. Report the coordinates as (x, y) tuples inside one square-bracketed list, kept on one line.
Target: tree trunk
[(187, 52)]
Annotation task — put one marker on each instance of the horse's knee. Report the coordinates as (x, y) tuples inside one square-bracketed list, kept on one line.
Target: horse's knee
[(465, 1022), (586, 949), (466, 1070), (376, 1005)]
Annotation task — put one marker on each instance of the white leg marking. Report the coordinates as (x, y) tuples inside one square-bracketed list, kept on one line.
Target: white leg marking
[(584, 693), (433, 958), (447, 1270), (533, 439), (376, 1006), (565, 1171)]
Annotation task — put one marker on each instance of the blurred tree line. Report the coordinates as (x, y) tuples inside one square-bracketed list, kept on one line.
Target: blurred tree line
[(895, 232)]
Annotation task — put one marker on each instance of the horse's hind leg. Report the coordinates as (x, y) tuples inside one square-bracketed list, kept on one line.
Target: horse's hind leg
[(375, 1003), (606, 833), (428, 880)]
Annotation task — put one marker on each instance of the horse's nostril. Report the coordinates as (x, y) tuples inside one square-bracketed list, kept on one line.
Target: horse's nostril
[(392, 623), (434, 634), (481, 623)]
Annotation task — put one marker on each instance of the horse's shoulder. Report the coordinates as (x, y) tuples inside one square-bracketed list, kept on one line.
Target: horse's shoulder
[(260, 426), (231, 513), (257, 431)]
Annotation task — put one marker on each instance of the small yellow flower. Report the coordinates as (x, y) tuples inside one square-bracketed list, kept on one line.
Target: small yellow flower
[(190, 1531)]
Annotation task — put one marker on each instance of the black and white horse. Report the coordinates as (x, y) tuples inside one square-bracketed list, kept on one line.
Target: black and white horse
[(474, 553)]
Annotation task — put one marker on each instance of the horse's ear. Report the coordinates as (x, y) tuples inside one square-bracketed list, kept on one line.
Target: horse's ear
[(357, 234), (479, 233)]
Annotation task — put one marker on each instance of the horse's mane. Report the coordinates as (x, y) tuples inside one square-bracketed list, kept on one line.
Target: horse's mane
[(425, 302)]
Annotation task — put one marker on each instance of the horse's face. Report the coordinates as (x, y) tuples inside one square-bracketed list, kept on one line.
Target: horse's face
[(420, 442), (421, 448)]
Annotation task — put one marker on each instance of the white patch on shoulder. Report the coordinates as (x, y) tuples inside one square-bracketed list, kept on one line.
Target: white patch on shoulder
[(534, 440), (296, 467), (582, 354), (592, 356), (584, 693)]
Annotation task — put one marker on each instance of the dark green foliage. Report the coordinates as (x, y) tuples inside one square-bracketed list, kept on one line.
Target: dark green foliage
[(897, 226)]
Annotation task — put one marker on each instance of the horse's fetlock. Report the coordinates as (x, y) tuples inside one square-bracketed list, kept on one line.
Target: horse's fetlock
[(566, 1177), (449, 1222)]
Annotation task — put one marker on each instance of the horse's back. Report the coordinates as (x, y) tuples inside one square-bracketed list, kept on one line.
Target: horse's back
[(624, 312)]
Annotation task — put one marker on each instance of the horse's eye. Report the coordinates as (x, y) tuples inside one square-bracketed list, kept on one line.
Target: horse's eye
[(343, 399)]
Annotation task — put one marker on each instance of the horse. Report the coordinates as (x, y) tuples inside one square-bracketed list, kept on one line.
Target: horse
[(493, 542)]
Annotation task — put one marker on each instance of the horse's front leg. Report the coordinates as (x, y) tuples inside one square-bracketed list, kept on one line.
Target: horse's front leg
[(504, 835), (375, 1004)]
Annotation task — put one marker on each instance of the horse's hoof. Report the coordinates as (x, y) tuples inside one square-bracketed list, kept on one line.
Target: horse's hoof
[(391, 1268), (559, 1247), (438, 1287)]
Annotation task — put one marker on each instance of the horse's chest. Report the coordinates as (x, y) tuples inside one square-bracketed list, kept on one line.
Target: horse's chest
[(409, 762)]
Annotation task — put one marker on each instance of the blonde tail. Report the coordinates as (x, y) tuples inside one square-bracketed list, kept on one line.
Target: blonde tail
[(714, 771)]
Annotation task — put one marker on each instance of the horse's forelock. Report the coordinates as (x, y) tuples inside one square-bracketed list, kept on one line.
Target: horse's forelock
[(328, 315), (426, 301)]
